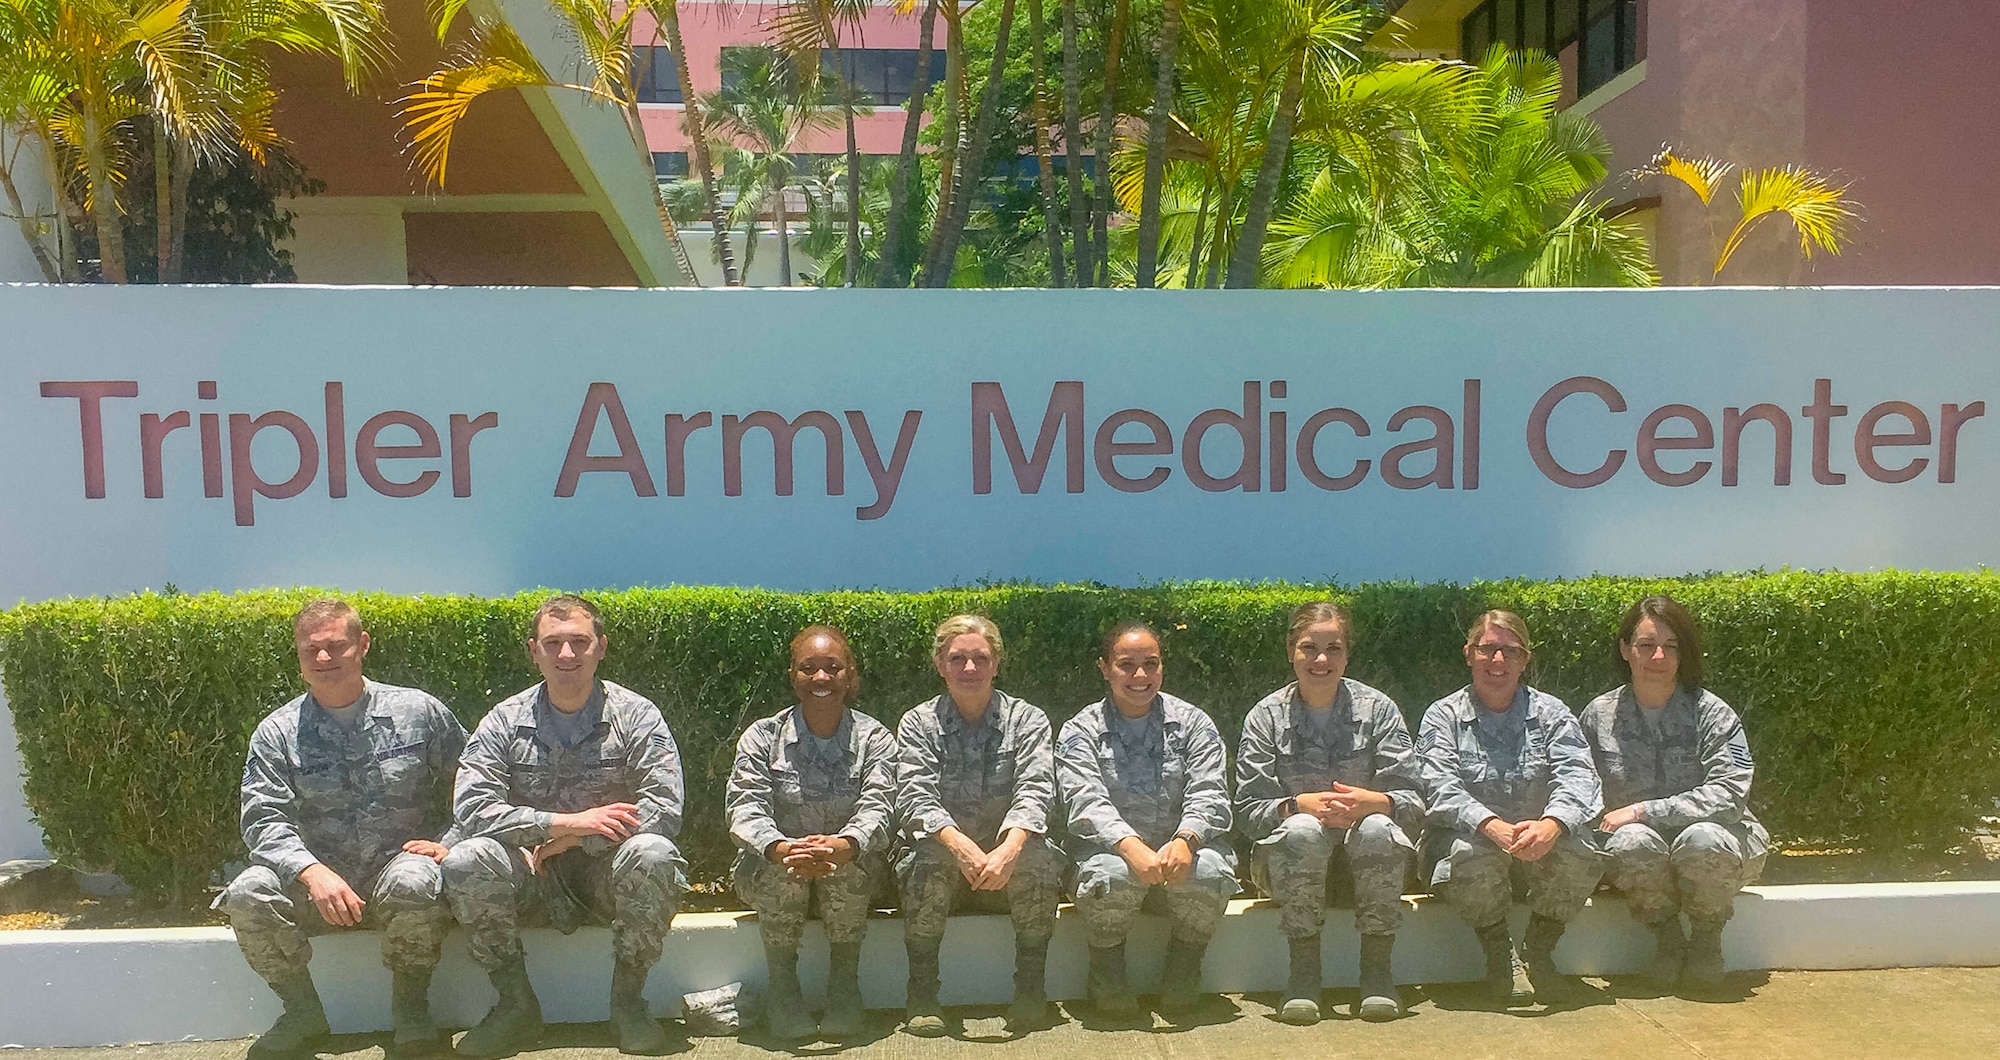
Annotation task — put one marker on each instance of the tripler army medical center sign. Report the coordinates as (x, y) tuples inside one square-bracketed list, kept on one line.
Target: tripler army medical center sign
[(488, 440)]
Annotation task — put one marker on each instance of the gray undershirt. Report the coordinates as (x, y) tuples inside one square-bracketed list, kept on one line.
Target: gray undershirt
[(568, 730)]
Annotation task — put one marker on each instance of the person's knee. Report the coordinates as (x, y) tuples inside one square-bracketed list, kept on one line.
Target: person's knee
[(1377, 838), (1107, 874), (1210, 867), (476, 859), (250, 893), (1302, 837), (1706, 841), (1635, 842), (647, 854), (411, 882)]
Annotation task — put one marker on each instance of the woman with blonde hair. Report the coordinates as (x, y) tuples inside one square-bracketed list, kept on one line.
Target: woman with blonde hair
[(1512, 794)]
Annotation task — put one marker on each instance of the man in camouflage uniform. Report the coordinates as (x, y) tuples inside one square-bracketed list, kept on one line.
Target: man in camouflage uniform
[(1296, 769), (976, 788), (811, 818), (345, 786), (569, 797), (1148, 801), (1681, 835)]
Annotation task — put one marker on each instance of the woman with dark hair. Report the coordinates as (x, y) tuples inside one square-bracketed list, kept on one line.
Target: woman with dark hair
[(809, 806), (1512, 792), (1145, 778), (1677, 773), (1326, 783)]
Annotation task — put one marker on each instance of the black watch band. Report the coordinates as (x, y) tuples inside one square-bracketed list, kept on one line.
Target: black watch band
[(1190, 838)]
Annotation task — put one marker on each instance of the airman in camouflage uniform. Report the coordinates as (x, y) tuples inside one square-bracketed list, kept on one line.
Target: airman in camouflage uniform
[(331, 794), (1677, 783), (789, 790), (1523, 770), (1136, 787), (569, 796)]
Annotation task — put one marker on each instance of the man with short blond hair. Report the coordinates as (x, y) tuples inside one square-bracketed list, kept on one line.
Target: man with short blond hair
[(345, 814)]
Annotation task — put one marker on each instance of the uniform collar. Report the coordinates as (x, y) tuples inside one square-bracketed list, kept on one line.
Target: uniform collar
[(1344, 698), (543, 710), (1468, 705), (951, 722)]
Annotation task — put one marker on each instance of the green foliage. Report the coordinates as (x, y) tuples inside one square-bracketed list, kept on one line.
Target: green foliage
[(1872, 700)]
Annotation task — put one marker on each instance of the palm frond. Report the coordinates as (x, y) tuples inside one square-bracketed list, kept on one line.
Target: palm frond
[(495, 60), (1701, 175), (1819, 210)]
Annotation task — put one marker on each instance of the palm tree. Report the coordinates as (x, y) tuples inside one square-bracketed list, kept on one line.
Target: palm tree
[(1107, 135), (667, 14), (1820, 212), (26, 110), (1166, 57), (894, 272), (808, 29), (1044, 156), (971, 166), (760, 108), (495, 59), (1079, 209)]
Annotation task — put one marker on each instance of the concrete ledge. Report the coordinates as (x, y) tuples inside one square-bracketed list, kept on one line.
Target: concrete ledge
[(75, 988)]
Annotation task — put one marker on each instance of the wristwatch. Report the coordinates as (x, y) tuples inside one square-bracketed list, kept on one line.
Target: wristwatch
[(1288, 807), (1187, 836)]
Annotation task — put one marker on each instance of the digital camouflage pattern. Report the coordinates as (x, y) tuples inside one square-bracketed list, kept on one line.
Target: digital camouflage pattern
[(1549, 775), (1283, 754), (782, 787), (512, 782), (1169, 776), (347, 796), (1688, 770)]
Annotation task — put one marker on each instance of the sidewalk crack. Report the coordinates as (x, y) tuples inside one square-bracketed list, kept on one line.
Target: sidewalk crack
[(1663, 1029)]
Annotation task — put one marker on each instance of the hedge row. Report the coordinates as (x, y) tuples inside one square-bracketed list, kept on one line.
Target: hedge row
[(1872, 700)]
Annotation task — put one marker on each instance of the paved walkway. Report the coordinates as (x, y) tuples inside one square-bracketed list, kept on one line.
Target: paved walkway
[(1907, 1014)]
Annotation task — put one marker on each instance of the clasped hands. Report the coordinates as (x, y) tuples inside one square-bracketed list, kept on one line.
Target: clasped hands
[(615, 821), (1526, 840), (1171, 863), (335, 899), (985, 870), (1344, 806), (813, 856)]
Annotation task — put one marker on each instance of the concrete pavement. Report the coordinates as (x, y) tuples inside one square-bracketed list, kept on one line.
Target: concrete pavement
[(1908, 1014)]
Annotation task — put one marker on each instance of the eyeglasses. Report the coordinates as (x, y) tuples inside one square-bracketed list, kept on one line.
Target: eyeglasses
[(1509, 652), (1646, 648)]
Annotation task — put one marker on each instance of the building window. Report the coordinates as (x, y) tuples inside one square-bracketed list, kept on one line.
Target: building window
[(670, 165), (1606, 33), (656, 73), (882, 74)]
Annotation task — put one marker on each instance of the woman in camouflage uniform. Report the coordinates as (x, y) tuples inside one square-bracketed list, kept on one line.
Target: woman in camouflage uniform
[(809, 806), (1677, 772)]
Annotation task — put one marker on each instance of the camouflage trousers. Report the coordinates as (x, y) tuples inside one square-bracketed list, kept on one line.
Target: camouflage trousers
[(933, 889), (636, 886), (274, 921), (1478, 879), (1291, 865), (1109, 897), (1698, 871), (844, 897)]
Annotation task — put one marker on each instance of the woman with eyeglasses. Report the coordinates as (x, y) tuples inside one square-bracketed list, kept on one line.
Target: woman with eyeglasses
[(1326, 783), (1512, 794), (809, 805), (1677, 772)]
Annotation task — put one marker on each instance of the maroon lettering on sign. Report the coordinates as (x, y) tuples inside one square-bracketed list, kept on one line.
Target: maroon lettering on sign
[(1308, 454), (887, 477), (153, 431), (678, 429), (369, 453), (1106, 449), (1950, 419), (603, 397), (1538, 432), (1440, 445), (1248, 425), (462, 429), (1470, 453), (245, 484), (1822, 412), (1064, 416), (1733, 422), (336, 441), (90, 395), (782, 432), (1868, 438), (1652, 443)]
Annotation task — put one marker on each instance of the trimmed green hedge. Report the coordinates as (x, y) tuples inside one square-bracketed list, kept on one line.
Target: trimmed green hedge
[(1872, 700)]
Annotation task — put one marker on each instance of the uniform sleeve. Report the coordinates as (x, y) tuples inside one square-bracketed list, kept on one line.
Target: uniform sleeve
[(1452, 807), (479, 802), (1034, 775), (269, 803), (1396, 771), (748, 800), (918, 774), (876, 808), (1578, 795), (1259, 794), (446, 746), (655, 762), (1723, 796), (1092, 817), (1205, 803)]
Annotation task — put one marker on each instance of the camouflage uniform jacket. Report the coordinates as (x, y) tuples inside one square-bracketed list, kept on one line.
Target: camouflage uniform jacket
[(779, 789), (349, 796), (1697, 768), (1366, 746), (513, 782), (981, 779), (1553, 776), (1172, 777)]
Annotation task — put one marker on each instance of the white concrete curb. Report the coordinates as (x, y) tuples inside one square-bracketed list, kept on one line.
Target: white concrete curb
[(83, 988)]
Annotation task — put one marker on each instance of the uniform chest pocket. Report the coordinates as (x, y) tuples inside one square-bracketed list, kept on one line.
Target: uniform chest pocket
[(1006, 763), (535, 782), (787, 788), (322, 789), (1174, 774), (403, 770), (1354, 759)]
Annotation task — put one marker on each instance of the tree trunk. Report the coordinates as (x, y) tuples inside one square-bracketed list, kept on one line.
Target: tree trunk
[(1156, 146), (29, 232), (1200, 231), (163, 203), (784, 240), (1079, 209), (951, 137), (1107, 138), (177, 207), (1225, 212), (890, 272), (69, 213), (1248, 258), (973, 165), (103, 200), (696, 129), (638, 133), (852, 265), (1044, 156)]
